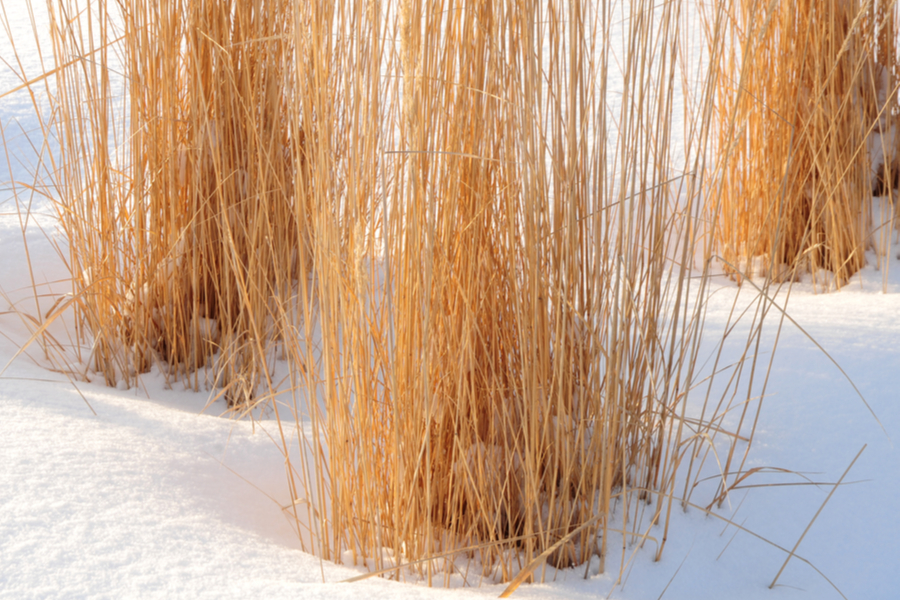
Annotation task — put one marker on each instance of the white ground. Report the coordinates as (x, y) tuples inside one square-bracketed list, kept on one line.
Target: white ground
[(152, 498)]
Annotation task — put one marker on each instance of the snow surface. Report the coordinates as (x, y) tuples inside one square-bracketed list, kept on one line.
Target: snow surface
[(158, 495)]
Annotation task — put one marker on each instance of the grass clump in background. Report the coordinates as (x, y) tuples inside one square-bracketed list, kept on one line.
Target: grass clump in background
[(806, 132)]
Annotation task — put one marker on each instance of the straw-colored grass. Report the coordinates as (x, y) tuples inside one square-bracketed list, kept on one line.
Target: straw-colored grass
[(184, 228), (473, 257), (515, 360), (806, 118)]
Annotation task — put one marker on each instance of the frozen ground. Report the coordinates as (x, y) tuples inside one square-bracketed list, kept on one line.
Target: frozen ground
[(154, 497)]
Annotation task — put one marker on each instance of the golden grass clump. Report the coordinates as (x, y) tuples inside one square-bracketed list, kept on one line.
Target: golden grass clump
[(183, 225), (806, 116), (506, 340)]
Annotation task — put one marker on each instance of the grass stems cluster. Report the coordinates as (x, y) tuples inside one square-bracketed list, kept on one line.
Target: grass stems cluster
[(806, 133), (179, 203), (501, 293), (448, 244)]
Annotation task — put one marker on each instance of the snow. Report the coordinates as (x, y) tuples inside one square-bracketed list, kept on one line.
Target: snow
[(149, 492)]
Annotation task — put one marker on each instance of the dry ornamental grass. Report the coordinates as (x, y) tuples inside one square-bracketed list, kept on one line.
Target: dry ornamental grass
[(806, 134), (448, 247)]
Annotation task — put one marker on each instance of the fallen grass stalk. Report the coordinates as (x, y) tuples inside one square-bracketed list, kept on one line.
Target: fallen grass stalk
[(537, 562), (816, 516), (711, 513), (784, 315)]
